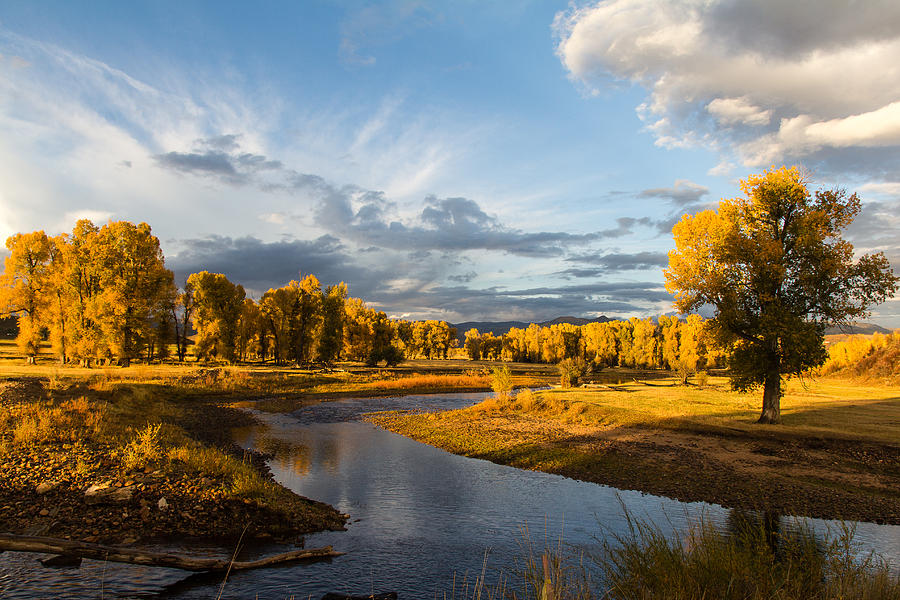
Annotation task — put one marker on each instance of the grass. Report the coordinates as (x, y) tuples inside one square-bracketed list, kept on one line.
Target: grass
[(753, 556), (824, 407), (835, 456)]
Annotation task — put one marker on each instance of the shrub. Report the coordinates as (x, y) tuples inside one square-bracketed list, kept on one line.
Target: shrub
[(702, 378), (683, 371), (143, 449), (501, 382), (572, 372)]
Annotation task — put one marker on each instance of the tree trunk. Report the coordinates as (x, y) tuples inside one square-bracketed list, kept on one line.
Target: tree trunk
[(21, 543), (771, 410)]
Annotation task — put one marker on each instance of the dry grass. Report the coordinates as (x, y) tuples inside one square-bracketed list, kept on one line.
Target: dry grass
[(430, 381), (822, 407)]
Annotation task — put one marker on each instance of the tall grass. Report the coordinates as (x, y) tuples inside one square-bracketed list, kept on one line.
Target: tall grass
[(754, 558), (430, 381)]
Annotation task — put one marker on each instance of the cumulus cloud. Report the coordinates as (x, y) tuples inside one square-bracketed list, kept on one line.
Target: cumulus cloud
[(780, 81), (728, 111)]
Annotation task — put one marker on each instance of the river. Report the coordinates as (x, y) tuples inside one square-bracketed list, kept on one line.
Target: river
[(422, 520)]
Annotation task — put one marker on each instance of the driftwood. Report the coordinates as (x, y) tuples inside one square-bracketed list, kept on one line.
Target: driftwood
[(385, 596), (23, 543)]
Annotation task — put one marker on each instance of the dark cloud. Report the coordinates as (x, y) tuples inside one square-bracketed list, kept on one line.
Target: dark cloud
[(365, 217), (259, 265), (621, 262), (794, 29), (582, 273), (218, 157), (624, 226), (448, 224), (398, 264), (459, 303), (222, 143), (463, 278), (681, 194), (208, 163)]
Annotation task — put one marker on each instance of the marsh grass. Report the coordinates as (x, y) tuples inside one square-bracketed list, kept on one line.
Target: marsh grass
[(752, 560), (430, 381), (754, 557)]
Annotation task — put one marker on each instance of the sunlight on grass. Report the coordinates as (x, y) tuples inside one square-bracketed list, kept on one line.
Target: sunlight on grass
[(828, 407)]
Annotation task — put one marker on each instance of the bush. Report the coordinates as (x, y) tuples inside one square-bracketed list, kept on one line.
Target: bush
[(702, 378), (683, 371), (501, 382), (572, 372), (143, 449)]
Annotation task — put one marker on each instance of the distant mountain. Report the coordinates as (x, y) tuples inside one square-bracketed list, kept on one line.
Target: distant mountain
[(499, 328), (857, 328)]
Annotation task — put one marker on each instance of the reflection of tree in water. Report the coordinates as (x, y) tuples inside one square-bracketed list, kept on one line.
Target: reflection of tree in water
[(753, 555), (752, 526), (781, 549), (289, 456)]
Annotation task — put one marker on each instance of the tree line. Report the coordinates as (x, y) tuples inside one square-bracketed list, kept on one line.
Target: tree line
[(664, 343), (104, 295)]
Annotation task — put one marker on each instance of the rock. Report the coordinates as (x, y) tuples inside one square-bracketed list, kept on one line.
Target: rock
[(103, 493), (46, 486), (162, 504), (62, 560)]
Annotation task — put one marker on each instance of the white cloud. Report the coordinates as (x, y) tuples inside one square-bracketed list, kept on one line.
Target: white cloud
[(729, 111), (887, 188), (803, 135), (778, 80)]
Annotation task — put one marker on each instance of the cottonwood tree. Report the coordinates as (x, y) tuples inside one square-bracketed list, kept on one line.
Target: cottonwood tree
[(134, 286), (182, 309), (332, 337), (777, 272), (217, 310), (26, 283)]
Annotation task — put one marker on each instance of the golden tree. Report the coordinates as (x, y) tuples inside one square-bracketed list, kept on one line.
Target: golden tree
[(775, 269), (26, 283), (217, 308), (134, 287)]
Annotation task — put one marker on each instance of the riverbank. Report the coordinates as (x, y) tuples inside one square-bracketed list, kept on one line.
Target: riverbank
[(118, 463), (836, 457), (120, 455)]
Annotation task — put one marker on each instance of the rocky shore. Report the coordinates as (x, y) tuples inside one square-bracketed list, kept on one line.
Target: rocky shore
[(61, 484)]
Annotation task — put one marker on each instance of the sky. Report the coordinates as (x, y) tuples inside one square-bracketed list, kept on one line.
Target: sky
[(458, 160)]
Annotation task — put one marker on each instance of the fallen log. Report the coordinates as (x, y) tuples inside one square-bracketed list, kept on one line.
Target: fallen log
[(46, 545)]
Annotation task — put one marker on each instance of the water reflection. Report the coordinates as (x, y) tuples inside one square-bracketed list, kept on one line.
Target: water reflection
[(421, 516)]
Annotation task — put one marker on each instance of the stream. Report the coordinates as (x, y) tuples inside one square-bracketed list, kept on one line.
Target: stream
[(423, 521)]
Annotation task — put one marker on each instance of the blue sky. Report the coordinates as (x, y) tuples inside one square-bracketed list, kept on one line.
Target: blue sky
[(454, 160)]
